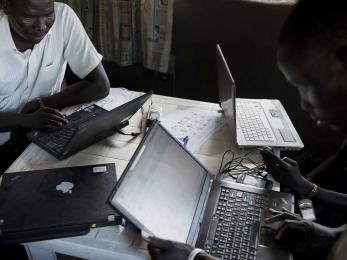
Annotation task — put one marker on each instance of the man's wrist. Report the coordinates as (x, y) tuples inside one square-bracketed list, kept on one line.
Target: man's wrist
[(194, 253), (305, 187), (204, 256), (21, 120), (40, 102)]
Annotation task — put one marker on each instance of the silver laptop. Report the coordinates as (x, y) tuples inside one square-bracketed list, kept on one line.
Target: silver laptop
[(165, 191), (254, 122)]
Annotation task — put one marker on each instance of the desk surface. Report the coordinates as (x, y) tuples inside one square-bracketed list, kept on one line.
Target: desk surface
[(116, 242)]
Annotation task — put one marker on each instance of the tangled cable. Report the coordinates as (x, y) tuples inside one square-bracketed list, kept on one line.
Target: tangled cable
[(236, 167)]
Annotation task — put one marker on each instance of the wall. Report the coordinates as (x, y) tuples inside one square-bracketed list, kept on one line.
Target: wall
[(247, 33)]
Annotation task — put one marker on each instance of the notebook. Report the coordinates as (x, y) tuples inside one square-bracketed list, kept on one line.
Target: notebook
[(86, 127), (52, 203), (177, 198), (254, 122)]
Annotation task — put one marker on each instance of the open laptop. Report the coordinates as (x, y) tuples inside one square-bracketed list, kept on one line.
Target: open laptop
[(86, 127), (52, 203), (177, 198), (254, 122)]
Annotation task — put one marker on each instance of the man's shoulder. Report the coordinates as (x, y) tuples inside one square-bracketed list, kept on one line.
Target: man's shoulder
[(60, 6), (62, 10)]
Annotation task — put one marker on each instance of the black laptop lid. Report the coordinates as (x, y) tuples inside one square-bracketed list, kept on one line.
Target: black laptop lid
[(57, 198), (163, 188), (104, 124)]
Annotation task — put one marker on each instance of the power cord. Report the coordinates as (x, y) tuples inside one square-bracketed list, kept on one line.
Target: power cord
[(235, 166), (126, 123)]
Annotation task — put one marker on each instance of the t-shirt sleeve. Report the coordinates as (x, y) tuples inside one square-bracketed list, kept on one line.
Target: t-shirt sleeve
[(79, 51)]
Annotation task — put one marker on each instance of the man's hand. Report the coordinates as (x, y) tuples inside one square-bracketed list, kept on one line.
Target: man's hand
[(43, 118), (30, 107), (160, 249), (287, 172), (303, 235), (281, 215)]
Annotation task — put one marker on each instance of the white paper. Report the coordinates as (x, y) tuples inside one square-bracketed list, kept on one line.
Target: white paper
[(117, 97), (195, 123)]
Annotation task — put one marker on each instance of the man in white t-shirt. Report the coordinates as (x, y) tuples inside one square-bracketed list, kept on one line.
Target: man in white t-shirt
[(38, 39)]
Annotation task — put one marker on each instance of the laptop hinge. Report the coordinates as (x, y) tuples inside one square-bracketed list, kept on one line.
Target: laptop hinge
[(205, 202)]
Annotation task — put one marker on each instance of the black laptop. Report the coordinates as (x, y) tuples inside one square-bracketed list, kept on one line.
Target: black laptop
[(53, 203), (86, 127), (177, 198)]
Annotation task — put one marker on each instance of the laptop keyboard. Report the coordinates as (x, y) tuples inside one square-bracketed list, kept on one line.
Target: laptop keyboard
[(249, 116), (57, 140), (85, 114), (237, 219)]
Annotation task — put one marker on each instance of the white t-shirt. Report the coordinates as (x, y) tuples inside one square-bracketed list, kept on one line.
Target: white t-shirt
[(40, 72)]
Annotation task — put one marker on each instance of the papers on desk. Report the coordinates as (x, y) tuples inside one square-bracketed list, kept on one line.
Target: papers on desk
[(192, 126), (117, 97)]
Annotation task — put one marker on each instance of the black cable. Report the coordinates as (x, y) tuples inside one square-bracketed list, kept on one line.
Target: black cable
[(131, 134), (235, 164), (227, 151), (126, 123)]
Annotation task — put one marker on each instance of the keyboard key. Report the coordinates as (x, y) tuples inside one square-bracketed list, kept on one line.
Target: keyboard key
[(236, 232)]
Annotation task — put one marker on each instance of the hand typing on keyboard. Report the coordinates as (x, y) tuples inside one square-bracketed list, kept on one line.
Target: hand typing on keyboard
[(44, 117), (304, 235), (281, 215), (286, 171)]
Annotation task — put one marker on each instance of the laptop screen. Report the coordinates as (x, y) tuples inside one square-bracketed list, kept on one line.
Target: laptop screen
[(227, 91), (161, 188)]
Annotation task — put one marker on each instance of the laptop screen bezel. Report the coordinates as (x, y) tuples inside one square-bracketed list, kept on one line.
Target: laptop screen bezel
[(222, 90), (195, 226)]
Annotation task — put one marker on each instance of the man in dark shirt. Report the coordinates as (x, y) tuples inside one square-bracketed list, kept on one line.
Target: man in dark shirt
[(312, 55)]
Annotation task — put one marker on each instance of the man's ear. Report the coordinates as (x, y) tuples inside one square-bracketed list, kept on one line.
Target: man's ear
[(342, 57)]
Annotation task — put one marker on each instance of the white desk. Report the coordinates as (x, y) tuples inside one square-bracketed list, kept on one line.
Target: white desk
[(116, 242)]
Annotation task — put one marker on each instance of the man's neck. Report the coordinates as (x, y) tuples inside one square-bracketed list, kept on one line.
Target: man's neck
[(21, 44)]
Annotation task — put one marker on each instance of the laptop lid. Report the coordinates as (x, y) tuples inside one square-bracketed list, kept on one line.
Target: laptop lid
[(90, 131), (261, 122), (163, 189), (40, 201), (227, 92)]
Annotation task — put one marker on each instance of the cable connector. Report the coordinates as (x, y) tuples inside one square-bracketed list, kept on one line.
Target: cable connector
[(154, 114), (123, 124)]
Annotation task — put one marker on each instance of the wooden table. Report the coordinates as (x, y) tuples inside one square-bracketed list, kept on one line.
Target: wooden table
[(116, 242)]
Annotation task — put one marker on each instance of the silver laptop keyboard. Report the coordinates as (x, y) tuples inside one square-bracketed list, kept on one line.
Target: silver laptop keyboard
[(252, 127), (238, 214)]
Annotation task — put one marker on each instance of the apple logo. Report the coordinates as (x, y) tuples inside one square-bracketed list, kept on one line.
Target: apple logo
[(65, 187)]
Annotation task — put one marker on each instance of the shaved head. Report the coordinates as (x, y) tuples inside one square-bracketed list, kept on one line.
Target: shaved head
[(312, 55), (30, 20), (317, 24)]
